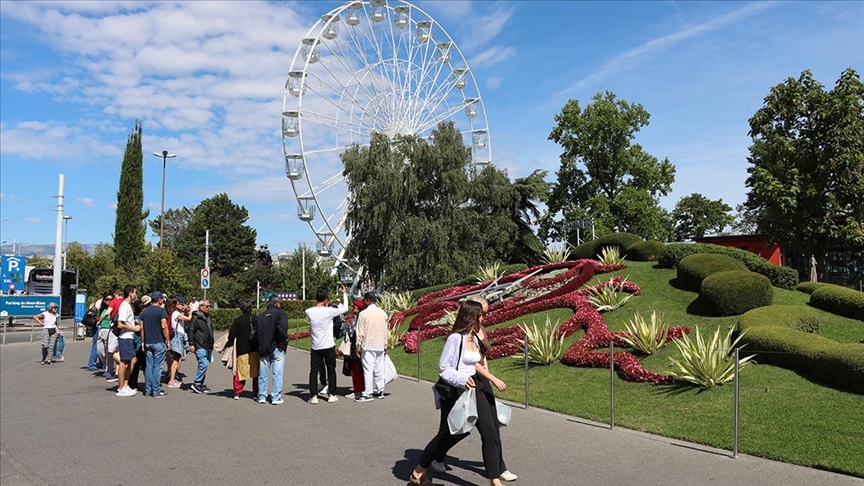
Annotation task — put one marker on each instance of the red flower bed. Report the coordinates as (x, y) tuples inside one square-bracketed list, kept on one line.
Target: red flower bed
[(300, 335), (409, 339)]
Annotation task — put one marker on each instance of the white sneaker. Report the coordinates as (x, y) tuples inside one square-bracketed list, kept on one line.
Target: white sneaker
[(278, 401), (352, 396), (508, 476), (438, 467), (262, 400), (332, 399), (125, 393), (313, 400)]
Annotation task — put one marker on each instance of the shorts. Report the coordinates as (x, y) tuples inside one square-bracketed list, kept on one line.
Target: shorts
[(113, 342), (127, 349), (177, 346)]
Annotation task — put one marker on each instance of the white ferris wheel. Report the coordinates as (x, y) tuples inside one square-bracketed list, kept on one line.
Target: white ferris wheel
[(369, 66)]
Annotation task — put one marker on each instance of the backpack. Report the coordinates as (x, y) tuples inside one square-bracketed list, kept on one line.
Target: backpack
[(115, 328), (89, 318)]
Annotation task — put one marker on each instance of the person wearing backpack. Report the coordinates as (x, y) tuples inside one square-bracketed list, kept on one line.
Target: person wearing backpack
[(272, 341), (200, 333), (243, 336)]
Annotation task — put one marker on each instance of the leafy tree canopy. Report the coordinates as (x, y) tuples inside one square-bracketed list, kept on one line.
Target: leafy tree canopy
[(807, 162), (176, 222), (603, 172), (696, 215), (232, 242), (129, 231)]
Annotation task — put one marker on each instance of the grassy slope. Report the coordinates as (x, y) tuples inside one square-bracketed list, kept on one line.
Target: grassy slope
[(782, 415)]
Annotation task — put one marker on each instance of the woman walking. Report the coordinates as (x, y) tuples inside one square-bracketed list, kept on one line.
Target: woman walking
[(243, 336), (48, 321), (461, 367)]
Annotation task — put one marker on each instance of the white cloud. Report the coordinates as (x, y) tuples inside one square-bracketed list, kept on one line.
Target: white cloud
[(493, 55), (33, 220), (52, 140), (86, 201), (493, 82)]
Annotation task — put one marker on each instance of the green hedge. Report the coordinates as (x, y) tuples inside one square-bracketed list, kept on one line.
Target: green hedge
[(809, 287), (645, 251), (769, 329), (693, 269), (783, 277), (590, 249), (839, 300), (585, 251), (735, 292), (506, 270), (222, 318)]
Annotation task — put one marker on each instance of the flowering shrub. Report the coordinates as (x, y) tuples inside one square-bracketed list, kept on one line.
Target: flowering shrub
[(299, 335)]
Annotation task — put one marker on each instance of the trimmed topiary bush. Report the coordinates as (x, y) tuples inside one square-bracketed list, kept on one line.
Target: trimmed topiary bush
[(809, 287), (622, 241), (735, 292), (645, 251), (839, 300), (772, 329), (783, 277), (585, 251), (693, 269)]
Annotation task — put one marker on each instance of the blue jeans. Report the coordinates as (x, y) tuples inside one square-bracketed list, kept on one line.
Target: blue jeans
[(203, 357), (153, 370), (94, 355), (274, 363)]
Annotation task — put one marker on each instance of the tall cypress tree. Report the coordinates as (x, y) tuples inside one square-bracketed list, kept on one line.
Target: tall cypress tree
[(129, 226)]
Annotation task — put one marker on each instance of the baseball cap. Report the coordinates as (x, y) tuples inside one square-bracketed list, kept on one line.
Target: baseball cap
[(181, 299), (156, 296)]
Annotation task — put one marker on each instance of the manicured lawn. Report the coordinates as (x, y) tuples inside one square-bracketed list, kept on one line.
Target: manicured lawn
[(783, 416)]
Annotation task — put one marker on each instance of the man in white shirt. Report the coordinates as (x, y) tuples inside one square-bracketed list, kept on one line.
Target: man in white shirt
[(323, 345), (372, 330), (126, 342)]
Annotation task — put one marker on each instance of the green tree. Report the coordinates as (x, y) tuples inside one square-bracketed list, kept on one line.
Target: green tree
[(695, 215), (603, 172), (807, 162), (415, 209), (176, 222), (232, 242), (129, 232), (161, 270), (90, 267)]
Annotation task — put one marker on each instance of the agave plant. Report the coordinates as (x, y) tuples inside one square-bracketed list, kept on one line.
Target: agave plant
[(394, 337), (488, 272), (646, 335), (545, 344), (609, 296), (610, 255), (707, 362), (557, 253), (395, 302)]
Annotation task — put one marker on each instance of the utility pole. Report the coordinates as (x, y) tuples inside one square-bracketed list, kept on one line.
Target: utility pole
[(303, 259), (58, 243)]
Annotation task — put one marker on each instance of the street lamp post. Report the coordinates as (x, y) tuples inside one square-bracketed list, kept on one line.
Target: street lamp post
[(66, 219), (165, 156)]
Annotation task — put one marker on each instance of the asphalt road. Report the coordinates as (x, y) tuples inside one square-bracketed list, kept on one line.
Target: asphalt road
[(61, 425)]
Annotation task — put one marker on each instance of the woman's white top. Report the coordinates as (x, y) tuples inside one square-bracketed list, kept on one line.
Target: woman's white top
[(453, 369), (49, 320), (177, 323)]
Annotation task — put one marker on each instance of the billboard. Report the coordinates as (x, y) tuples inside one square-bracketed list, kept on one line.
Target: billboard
[(25, 305)]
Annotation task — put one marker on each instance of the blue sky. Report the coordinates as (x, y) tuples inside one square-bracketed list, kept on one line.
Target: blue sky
[(207, 81)]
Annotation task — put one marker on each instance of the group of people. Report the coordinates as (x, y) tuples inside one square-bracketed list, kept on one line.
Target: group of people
[(132, 334), (135, 335)]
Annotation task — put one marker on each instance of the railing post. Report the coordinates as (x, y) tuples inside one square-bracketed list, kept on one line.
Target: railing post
[(526, 372), (735, 411), (611, 384), (418, 354), (297, 334)]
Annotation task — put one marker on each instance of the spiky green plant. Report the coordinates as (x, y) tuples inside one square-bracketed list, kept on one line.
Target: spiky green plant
[(545, 344), (610, 255), (707, 363), (394, 337), (557, 253), (395, 302), (488, 272), (450, 317), (646, 335), (609, 297)]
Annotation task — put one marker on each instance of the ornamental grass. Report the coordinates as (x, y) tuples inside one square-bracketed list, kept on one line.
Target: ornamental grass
[(707, 363), (545, 344), (646, 335)]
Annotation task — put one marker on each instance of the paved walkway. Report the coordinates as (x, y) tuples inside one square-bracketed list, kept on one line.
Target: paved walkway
[(61, 425)]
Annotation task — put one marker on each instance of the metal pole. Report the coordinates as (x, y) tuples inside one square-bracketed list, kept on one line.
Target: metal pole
[(526, 372), (611, 385), (418, 354), (162, 213), (207, 255), (257, 294), (735, 411), (303, 259), (56, 285), (297, 334), (6, 328)]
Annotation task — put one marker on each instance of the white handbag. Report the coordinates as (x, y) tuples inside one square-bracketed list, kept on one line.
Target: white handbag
[(345, 347), (504, 412)]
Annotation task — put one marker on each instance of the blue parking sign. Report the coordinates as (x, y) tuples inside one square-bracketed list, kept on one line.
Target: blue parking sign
[(12, 277)]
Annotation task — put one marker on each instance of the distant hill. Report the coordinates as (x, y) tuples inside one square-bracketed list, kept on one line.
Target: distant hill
[(44, 250)]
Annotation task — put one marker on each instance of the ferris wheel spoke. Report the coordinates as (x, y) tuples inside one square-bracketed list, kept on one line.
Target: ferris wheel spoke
[(353, 74), (337, 149), (349, 114)]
